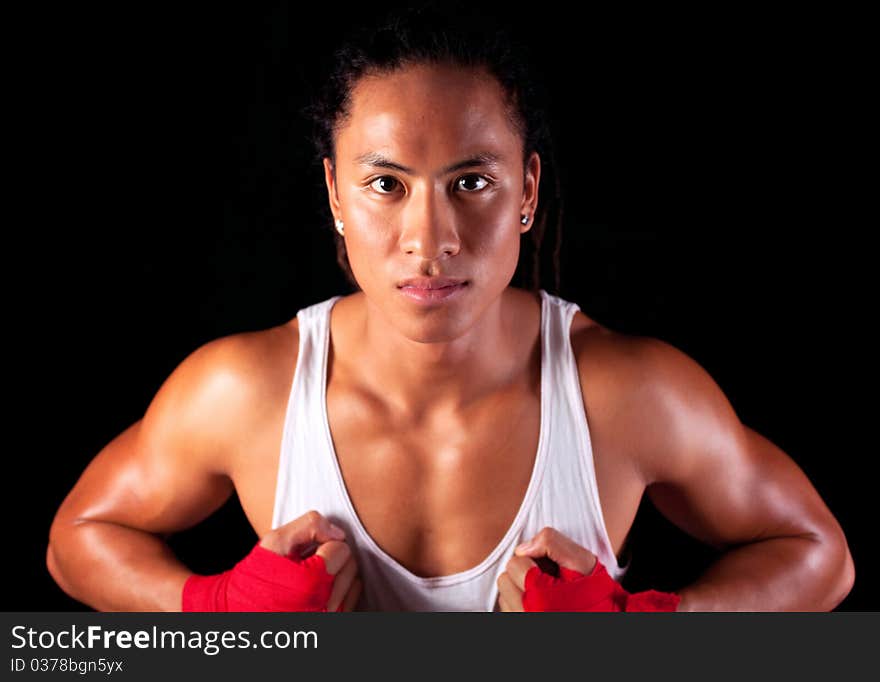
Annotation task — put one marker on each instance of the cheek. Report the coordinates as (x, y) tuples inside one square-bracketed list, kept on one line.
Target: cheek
[(372, 219), (496, 223), (496, 253), (490, 225), (368, 241)]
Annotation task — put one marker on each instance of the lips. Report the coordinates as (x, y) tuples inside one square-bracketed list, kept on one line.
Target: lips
[(432, 290), (429, 283)]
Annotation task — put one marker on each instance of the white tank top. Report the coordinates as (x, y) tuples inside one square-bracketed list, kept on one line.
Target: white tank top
[(562, 492)]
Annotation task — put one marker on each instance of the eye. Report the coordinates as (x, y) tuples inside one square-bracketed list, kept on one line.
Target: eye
[(384, 185), (471, 183)]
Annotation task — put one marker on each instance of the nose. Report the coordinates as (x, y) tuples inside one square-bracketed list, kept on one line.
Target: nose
[(429, 227)]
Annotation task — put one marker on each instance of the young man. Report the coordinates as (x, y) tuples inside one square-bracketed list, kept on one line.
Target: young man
[(414, 433)]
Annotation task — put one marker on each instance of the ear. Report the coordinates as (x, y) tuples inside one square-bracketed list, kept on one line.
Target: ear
[(530, 189), (332, 194)]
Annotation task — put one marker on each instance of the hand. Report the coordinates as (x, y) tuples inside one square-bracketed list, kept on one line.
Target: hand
[(550, 544), (310, 534), (583, 584)]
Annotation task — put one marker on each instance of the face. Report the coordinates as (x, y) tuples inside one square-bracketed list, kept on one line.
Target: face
[(431, 184)]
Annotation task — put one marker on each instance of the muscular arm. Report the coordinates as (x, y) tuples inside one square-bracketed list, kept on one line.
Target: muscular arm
[(730, 487), (165, 473)]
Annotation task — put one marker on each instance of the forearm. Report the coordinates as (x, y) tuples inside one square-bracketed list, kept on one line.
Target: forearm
[(779, 574), (115, 568)]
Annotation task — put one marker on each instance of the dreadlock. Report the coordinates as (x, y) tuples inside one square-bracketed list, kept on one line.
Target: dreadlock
[(451, 33)]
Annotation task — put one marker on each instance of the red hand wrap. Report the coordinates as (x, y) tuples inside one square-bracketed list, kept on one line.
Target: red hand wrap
[(598, 591), (262, 581)]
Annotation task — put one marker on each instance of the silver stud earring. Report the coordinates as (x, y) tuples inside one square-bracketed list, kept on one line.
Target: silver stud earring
[(340, 227), (524, 220)]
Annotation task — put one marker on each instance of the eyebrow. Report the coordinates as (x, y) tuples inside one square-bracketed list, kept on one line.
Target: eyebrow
[(377, 160)]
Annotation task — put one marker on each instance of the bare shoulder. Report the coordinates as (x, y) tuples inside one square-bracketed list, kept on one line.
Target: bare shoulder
[(219, 393), (655, 394), (175, 465), (247, 361), (638, 362), (606, 356), (664, 427)]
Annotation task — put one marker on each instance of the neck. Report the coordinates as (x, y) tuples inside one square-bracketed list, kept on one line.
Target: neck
[(417, 379)]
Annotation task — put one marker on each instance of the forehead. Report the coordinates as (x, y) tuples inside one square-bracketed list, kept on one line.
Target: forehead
[(426, 111)]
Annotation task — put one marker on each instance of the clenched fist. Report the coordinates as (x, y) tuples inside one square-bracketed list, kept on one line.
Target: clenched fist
[(303, 565), (313, 535), (577, 582)]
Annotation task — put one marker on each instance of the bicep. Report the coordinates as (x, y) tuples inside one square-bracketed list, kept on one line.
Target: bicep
[(169, 470), (146, 482), (715, 477), (747, 491)]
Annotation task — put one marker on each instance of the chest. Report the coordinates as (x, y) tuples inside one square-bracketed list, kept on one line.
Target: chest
[(437, 496)]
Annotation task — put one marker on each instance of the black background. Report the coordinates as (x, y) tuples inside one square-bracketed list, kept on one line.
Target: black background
[(166, 196)]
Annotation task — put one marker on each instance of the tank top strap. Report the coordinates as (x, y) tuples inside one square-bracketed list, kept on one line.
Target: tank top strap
[(571, 501), (298, 463)]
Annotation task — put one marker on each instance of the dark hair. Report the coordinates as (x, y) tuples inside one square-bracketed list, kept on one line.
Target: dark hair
[(450, 33)]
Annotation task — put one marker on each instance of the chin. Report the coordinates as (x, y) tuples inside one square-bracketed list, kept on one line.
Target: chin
[(438, 322), (432, 329)]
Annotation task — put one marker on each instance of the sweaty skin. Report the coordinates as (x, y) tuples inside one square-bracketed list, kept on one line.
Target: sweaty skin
[(434, 409)]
